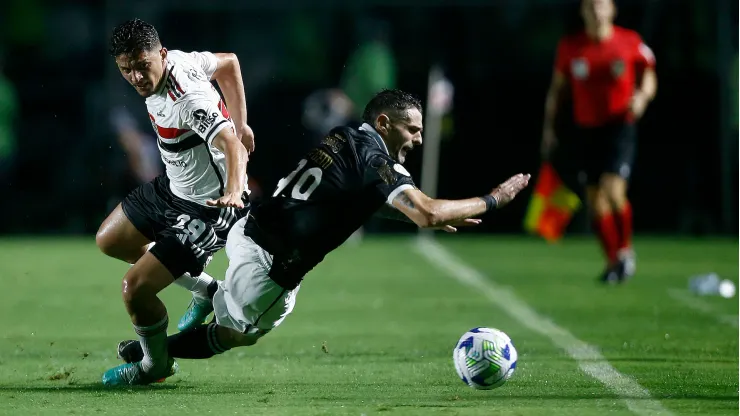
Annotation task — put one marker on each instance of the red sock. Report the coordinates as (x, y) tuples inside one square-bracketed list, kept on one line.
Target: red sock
[(625, 226), (606, 228)]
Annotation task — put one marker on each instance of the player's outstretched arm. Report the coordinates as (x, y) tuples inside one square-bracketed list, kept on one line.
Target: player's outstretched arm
[(427, 212), (236, 164), (228, 75), (389, 212)]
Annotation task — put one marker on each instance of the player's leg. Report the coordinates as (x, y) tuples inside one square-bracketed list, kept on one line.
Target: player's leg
[(176, 252), (614, 184), (593, 157), (127, 233), (605, 227), (247, 305), (200, 343), (221, 222), (141, 284), (119, 238)]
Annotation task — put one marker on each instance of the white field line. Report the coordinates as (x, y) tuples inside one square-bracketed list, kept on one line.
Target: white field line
[(588, 357)]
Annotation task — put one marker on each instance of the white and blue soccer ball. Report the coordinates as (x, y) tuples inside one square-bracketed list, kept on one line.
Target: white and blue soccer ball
[(484, 358)]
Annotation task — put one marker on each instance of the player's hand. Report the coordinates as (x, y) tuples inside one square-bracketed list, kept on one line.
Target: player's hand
[(468, 222), (246, 136), (638, 104), (231, 199), (549, 142), (505, 192)]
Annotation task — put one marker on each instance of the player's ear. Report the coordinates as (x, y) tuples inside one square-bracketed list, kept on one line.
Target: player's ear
[(383, 124), (163, 53)]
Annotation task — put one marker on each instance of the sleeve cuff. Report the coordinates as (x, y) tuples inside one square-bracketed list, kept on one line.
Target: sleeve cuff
[(214, 131), (397, 191)]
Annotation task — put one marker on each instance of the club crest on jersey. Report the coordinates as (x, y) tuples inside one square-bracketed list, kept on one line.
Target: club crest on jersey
[(204, 120), (400, 169), (579, 68), (618, 68), (386, 173), (195, 75)]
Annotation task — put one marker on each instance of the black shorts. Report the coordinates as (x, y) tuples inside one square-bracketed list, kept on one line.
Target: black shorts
[(607, 149), (187, 234)]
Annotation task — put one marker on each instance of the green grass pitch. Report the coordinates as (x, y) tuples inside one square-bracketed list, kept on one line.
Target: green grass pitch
[(373, 330)]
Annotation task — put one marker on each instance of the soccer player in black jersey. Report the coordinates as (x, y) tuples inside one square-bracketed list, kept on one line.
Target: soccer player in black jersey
[(352, 175)]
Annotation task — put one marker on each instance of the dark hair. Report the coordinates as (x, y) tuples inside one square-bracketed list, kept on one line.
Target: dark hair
[(133, 37), (389, 101)]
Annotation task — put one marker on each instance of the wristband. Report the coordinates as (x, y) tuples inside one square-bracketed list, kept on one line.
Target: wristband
[(490, 202)]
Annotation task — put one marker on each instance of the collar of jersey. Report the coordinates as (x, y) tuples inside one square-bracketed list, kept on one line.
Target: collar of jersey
[(368, 128), (166, 73)]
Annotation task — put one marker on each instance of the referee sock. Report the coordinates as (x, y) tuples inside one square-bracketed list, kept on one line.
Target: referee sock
[(625, 226), (606, 228)]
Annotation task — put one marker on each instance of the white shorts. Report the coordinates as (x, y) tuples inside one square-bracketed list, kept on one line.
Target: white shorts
[(248, 300)]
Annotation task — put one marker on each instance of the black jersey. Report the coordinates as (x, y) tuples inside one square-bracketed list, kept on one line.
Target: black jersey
[(332, 192)]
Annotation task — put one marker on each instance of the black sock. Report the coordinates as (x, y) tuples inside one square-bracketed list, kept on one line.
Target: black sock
[(198, 343), (195, 344), (212, 288)]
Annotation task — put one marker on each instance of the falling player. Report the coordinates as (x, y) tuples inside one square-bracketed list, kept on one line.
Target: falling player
[(189, 210), (612, 79), (350, 176)]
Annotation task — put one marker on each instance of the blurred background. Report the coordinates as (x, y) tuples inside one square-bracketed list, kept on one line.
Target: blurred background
[(75, 139)]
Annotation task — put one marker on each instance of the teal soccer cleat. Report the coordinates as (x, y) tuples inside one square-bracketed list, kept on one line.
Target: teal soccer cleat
[(132, 374), (196, 314)]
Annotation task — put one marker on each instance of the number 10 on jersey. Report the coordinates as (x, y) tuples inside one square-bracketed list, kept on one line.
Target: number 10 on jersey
[(300, 190)]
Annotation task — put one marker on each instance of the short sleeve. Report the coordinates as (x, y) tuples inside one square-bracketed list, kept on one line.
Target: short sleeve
[(388, 177), (207, 61), (202, 115), (645, 57), (561, 57)]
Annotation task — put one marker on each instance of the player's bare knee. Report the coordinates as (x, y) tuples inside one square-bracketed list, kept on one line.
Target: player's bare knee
[(105, 243), (111, 246), (614, 188), (599, 202), (135, 286)]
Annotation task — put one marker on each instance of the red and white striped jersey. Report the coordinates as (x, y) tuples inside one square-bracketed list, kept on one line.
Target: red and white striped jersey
[(187, 113)]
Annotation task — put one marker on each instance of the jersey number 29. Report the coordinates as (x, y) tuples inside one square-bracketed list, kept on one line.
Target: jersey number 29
[(300, 189)]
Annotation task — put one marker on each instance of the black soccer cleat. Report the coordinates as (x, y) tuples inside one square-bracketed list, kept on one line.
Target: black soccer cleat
[(130, 351), (610, 276)]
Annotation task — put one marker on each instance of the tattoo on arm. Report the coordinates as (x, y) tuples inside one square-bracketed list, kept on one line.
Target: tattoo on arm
[(404, 199)]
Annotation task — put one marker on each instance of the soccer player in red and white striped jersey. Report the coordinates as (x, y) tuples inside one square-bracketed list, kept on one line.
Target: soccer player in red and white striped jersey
[(188, 211), (611, 75)]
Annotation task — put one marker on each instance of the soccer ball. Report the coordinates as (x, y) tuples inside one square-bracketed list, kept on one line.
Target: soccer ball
[(484, 358)]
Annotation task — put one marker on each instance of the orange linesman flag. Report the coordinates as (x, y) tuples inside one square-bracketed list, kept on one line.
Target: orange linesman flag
[(551, 207)]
